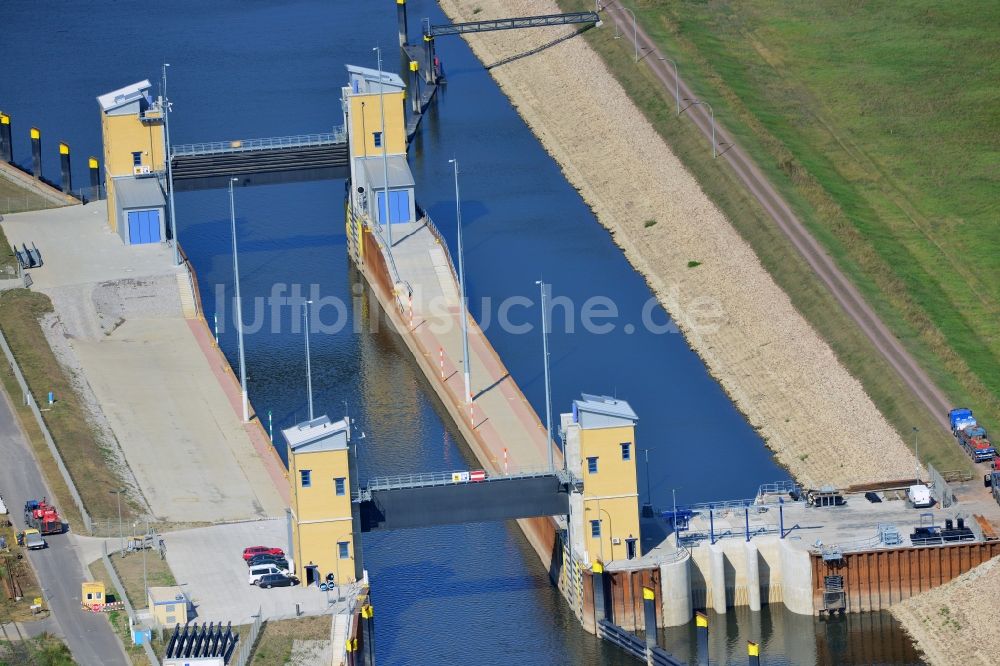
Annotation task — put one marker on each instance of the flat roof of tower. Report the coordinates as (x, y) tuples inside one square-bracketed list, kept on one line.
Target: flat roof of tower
[(126, 95), (606, 405), (372, 79), (320, 434)]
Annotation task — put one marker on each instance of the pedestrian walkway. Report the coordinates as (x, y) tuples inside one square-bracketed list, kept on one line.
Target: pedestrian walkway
[(152, 372), (505, 427)]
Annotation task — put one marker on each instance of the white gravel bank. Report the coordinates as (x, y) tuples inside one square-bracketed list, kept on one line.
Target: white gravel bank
[(816, 417)]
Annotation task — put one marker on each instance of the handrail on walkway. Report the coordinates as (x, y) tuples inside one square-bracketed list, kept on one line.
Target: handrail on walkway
[(422, 480), (338, 135)]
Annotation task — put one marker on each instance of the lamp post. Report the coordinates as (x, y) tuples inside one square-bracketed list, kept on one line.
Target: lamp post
[(677, 535), (239, 304), (695, 102), (677, 84), (548, 389), (309, 381), (649, 486), (170, 171), (461, 287), (121, 531), (611, 532), (916, 449), (635, 33), (385, 151)]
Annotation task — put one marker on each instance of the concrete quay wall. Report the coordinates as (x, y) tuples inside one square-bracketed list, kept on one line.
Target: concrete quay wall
[(540, 532)]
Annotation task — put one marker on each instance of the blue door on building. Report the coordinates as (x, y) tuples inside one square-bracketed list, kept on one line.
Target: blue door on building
[(143, 226), (399, 206)]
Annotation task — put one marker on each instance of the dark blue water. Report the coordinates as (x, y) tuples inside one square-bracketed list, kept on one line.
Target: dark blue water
[(247, 69)]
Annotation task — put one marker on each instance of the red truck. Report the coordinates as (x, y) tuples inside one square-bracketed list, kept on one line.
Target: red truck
[(42, 516), (976, 442)]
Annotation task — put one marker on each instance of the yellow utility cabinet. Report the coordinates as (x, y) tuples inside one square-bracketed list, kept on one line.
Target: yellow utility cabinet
[(168, 605), (92, 595)]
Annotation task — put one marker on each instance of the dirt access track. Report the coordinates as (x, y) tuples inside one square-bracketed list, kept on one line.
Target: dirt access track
[(788, 382)]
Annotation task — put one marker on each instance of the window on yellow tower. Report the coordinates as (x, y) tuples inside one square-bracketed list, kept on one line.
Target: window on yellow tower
[(342, 550), (338, 485), (592, 465), (595, 528), (626, 450), (306, 477)]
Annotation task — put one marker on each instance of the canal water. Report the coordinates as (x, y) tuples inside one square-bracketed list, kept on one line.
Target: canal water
[(469, 593)]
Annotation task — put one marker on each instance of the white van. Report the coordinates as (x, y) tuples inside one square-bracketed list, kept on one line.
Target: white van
[(3, 508), (920, 496), (257, 572)]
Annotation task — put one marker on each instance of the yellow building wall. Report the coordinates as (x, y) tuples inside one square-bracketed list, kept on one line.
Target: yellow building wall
[(612, 494), (366, 118), (167, 615), (123, 135), (320, 517), (316, 543)]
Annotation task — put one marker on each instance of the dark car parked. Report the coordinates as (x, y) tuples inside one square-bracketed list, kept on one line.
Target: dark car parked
[(258, 560), (276, 580)]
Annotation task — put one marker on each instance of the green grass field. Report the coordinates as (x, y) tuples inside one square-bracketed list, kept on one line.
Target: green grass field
[(794, 115)]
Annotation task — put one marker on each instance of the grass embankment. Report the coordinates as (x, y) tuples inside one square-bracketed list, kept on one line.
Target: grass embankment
[(15, 198), (8, 263), (42, 650), (67, 419), (750, 97), (274, 645)]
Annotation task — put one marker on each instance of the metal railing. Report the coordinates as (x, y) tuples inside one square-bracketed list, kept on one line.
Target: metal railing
[(547, 20), (244, 649), (441, 241), (447, 479), (129, 609), (338, 135)]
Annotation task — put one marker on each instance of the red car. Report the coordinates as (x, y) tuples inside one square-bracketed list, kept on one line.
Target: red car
[(261, 550)]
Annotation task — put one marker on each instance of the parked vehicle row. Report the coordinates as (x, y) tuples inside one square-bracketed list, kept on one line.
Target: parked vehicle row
[(971, 435), (268, 567)]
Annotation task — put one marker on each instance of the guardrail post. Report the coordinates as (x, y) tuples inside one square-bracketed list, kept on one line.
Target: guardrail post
[(600, 610), (753, 652), (649, 608), (36, 152), (6, 145), (66, 174), (781, 516), (95, 178), (701, 622)]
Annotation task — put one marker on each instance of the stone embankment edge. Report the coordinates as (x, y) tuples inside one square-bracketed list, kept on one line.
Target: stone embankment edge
[(39, 187)]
